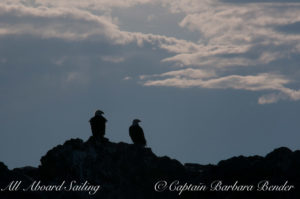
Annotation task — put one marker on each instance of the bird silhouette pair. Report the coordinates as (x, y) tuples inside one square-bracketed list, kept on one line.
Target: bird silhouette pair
[(98, 123)]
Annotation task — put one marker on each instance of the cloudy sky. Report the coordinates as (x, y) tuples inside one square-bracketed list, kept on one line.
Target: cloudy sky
[(209, 79)]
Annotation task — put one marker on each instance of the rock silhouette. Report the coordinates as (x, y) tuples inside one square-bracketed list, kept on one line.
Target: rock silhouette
[(129, 171), (136, 133)]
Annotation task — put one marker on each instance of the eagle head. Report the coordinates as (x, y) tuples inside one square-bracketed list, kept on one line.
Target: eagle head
[(136, 121), (99, 113)]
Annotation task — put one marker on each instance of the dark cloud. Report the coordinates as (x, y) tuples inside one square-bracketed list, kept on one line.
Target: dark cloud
[(293, 28)]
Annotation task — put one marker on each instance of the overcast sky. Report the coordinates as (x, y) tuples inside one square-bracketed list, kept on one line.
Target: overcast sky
[(210, 79)]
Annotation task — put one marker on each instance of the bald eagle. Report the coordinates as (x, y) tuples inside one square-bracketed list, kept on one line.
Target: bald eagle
[(98, 125), (137, 134)]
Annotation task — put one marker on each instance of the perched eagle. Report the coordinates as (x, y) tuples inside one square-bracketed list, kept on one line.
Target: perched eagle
[(137, 134), (98, 125)]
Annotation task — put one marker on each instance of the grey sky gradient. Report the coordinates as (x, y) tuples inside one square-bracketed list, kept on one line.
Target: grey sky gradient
[(209, 79)]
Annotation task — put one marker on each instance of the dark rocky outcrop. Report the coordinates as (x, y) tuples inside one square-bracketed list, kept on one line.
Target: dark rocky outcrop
[(129, 171)]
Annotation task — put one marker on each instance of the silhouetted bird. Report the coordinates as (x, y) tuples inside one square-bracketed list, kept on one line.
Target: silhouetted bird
[(137, 134), (98, 125)]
